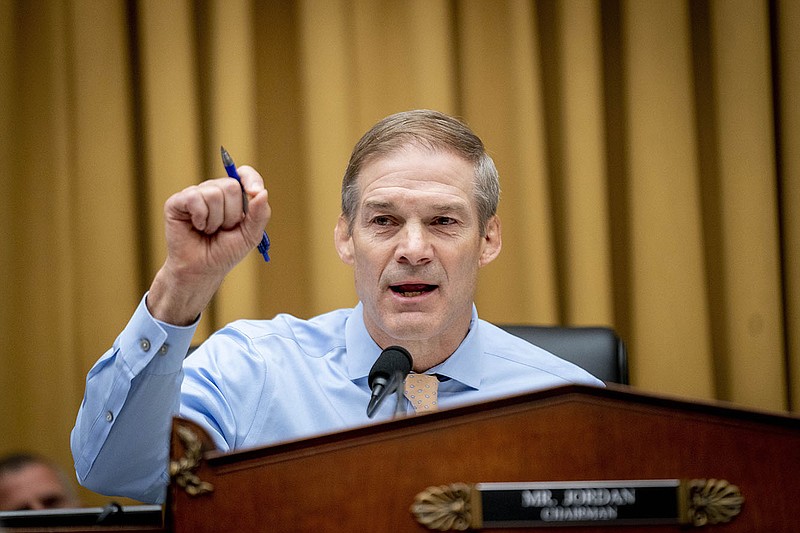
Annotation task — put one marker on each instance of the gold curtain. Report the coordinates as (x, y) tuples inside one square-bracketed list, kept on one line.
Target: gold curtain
[(649, 154)]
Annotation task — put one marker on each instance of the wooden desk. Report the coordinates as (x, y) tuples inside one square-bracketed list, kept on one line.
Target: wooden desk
[(366, 479)]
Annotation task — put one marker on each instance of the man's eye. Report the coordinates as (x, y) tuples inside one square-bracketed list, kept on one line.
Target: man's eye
[(381, 221), (445, 221)]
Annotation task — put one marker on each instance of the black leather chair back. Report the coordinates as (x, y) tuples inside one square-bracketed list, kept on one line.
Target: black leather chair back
[(598, 350)]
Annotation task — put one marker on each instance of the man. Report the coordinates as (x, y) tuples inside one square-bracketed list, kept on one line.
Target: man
[(419, 201), (30, 482)]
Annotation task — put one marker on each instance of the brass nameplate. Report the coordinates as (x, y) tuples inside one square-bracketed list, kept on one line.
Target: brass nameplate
[(462, 506)]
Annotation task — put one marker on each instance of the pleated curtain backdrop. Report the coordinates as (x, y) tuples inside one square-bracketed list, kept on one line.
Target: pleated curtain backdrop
[(649, 153)]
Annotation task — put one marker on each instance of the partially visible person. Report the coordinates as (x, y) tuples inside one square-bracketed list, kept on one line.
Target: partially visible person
[(32, 482)]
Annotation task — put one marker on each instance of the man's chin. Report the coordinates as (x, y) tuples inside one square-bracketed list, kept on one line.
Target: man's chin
[(412, 326)]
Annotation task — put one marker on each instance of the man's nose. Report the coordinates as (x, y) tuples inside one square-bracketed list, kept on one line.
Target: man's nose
[(414, 246)]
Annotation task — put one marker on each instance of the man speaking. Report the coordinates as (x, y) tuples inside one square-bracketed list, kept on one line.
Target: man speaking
[(418, 221)]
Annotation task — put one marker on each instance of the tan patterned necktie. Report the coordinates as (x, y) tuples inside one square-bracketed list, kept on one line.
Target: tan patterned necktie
[(422, 390)]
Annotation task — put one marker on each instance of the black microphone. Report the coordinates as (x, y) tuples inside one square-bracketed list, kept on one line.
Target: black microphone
[(386, 375)]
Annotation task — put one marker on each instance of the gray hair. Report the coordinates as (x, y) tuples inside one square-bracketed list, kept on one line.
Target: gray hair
[(435, 131)]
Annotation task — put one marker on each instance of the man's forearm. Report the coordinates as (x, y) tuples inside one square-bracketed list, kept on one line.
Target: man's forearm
[(120, 439)]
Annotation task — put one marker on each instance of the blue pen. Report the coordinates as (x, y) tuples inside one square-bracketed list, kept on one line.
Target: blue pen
[(230, 168)]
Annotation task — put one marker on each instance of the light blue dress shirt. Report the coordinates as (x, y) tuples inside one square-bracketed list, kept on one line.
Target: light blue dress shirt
[(257, 382)]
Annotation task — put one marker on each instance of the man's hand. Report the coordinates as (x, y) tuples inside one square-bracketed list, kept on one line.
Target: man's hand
[(207, 235)]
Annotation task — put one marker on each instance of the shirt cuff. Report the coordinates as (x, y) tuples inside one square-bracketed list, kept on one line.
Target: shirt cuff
[(156, 345)]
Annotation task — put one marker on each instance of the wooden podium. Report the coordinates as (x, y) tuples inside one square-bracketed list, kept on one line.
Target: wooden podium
[(366, 479)]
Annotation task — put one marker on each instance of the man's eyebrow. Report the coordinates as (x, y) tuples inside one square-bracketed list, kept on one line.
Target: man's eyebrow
[(377, 204), (457, 207), (449, 207)]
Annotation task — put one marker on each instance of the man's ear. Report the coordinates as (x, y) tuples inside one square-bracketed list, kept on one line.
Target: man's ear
[(492, 242), (343, 240)]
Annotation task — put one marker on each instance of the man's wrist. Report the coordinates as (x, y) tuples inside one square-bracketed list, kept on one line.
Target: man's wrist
[(173, 302)]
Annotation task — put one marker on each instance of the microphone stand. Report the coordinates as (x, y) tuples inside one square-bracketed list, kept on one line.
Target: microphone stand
[(393, 386), (399, 406)]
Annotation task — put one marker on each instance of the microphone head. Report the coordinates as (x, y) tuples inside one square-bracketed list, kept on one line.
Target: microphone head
[(392, 359)]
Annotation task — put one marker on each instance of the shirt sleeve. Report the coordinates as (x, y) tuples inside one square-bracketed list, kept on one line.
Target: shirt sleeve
[(120, 442)]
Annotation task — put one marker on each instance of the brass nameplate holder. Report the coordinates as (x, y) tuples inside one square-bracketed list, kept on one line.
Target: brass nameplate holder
[(462, 506)]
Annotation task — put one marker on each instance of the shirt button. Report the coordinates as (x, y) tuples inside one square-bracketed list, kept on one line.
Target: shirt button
[(109, 416), (144, 344), (164, 349)]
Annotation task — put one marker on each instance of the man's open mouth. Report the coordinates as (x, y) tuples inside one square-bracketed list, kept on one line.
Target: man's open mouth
[(412, 289)]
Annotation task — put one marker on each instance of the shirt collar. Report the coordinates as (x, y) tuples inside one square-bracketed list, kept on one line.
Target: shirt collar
[(465, 365), (362, 351)]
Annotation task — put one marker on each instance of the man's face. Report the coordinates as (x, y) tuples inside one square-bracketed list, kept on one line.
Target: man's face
[(416, 246), (33, 487)]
